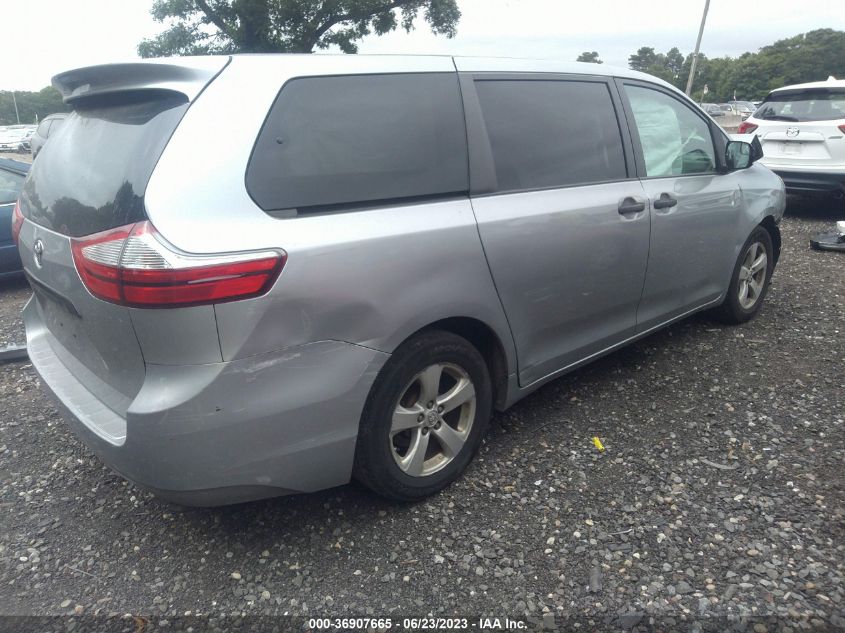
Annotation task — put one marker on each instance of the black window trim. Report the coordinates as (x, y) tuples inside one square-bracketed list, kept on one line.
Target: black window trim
[(718, 137), (366, 205), (358, 205), (482, 168)]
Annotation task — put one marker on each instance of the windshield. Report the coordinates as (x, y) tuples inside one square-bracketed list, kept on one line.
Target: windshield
[(821, 104)]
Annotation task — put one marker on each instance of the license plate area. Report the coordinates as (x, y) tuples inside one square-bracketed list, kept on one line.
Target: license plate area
[(60, 316), (50, 300)]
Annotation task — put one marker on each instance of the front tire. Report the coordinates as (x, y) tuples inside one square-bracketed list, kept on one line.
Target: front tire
[(750, 281), (425, 417)]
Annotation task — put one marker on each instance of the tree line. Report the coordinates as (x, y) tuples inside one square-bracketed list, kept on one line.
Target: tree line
[(32, 106), (812, 56)]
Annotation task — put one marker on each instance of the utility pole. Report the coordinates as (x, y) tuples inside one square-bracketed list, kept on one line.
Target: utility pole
[(15, 101), (697, 47)]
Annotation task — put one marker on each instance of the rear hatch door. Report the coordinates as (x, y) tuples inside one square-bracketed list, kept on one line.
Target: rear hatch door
[(803, 127), (91, 177)]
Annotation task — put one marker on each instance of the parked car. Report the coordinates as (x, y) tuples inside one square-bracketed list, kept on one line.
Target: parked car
[(380, 252), (27, 138), (743, 108), (49, 125), (802, 132), (12, 139), (12, 176), (712, 109)]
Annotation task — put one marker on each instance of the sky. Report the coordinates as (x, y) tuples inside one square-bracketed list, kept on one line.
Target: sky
[(57, 35)]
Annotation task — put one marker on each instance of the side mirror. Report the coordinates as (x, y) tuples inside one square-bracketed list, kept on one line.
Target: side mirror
[(737, 155), (741, 155)]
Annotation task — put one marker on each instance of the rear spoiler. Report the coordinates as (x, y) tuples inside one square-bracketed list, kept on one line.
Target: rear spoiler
[(185, 75)]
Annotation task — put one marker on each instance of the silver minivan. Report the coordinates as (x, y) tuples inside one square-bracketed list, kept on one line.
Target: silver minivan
[(257, 275)]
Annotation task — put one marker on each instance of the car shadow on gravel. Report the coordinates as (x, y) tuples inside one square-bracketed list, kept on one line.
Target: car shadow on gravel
[(816, 208)]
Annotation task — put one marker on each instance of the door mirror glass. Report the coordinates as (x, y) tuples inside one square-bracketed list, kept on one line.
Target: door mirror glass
[(737, 155), (741, 155)]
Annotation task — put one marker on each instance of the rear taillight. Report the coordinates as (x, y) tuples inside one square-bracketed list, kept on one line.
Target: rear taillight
[(842, 128), (746, 128), (132, 265), (17, 222)]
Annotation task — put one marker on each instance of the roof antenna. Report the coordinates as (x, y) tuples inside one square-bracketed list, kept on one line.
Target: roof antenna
[(831, 78)]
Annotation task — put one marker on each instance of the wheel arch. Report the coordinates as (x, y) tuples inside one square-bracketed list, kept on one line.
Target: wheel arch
[(487, 342), (771, 226)]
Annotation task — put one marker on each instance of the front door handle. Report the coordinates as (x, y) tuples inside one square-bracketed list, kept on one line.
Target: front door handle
[(631, 205), (665, 201)]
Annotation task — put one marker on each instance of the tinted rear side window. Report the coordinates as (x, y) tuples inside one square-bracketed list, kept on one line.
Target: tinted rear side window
[(551, 133), (357, 139), (92, 172)]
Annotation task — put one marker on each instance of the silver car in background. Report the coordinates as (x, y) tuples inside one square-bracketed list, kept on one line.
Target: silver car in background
[(378, 253), (13, 139)]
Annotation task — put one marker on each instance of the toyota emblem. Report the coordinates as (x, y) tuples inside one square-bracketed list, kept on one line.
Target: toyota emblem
[(38, 251), (792, 131)]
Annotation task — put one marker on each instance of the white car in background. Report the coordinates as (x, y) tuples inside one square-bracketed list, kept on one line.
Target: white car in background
[(802, 131)]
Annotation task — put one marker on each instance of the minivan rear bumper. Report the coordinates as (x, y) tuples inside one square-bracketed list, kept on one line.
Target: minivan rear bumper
[(221, 433)]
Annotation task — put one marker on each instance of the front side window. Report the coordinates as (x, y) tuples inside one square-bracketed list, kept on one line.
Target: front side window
[(551, 133), (360, 139), (675, 140)]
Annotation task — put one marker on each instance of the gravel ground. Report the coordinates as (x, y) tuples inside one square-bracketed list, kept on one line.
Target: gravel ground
[(720, 493)]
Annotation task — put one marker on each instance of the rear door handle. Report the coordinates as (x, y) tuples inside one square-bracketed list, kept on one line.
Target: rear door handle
[(665, 201), (631, 205)]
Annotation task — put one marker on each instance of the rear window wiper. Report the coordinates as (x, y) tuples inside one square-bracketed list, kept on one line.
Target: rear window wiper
[(779, 117)]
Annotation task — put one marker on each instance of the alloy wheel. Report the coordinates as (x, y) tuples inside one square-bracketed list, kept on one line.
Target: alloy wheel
[(432, 419), (752, 275)]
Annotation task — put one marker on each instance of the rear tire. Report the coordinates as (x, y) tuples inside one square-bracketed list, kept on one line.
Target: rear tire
[(425, 417), (750, 281)]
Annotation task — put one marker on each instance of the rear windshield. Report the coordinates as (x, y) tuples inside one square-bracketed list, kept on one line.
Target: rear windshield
[(92, 172), (803, 105)]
